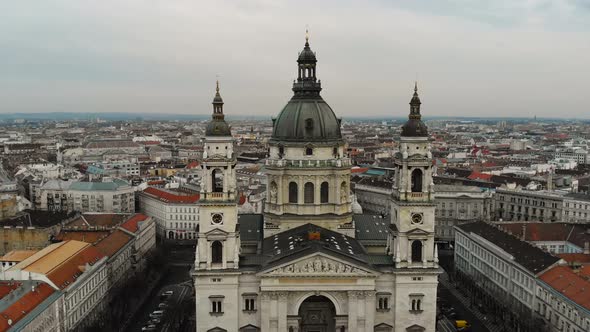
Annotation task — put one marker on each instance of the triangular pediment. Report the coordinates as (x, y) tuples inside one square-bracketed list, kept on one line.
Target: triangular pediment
[(318, 264), (417, 231), (216, 231)]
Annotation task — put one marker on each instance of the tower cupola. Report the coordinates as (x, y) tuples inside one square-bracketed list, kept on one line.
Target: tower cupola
[(217, 126), (414, 127)]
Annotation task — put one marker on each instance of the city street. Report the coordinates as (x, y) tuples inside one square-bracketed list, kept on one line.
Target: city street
[(178, 280), (463, 313)]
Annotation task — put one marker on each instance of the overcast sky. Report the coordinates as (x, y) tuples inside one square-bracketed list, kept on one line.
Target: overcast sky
[(471, 57)]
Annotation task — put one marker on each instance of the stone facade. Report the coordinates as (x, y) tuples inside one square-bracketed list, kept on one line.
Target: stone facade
[(525, 205), (300, 267)]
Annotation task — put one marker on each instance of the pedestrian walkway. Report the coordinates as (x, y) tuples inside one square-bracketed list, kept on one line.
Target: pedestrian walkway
[(444, 280)]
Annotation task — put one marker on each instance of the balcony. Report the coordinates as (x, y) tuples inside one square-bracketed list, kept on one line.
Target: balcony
[(344, 162)]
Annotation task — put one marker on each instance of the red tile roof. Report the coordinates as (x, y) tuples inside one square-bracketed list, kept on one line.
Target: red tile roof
[(84, 236), (24, 305), (132, 224), (359, 169), (193, 164), (479, 176), (166, 196), (99, 219), (575, 258), (6, 287), (111, 244), (65, 274), (565, 281)]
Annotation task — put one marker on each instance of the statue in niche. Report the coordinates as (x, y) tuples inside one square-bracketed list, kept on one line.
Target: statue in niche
[(273, 192)]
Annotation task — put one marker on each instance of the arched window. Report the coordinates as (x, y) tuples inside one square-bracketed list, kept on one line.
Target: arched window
[(217, 180), (281, 151), (216, 252), (417, 181), (308, 151), (324, 192), (308, 193), (292, 192), (417, 251)]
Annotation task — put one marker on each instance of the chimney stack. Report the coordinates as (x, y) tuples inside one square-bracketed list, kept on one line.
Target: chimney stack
[(586, 248), (523, 232)]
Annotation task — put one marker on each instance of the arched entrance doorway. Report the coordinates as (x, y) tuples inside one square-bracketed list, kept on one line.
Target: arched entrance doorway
[(317, 315)]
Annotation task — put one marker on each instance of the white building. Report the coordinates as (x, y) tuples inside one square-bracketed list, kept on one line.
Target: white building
[(576, 208), (304, 265), (75, 268), (175, 212), (502, 266), (110, 195), (577, 154), (562, 300)]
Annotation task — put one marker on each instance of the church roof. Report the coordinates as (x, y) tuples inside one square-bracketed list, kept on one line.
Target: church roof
[(308, 239)]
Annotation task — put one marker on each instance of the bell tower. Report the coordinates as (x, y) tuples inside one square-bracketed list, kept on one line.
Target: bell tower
[(413, 195), (218, 237)]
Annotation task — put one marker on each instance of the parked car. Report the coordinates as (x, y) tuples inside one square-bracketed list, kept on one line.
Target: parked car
[(151, 327), (162, 305), (166, 294), (157, 314), (154, 321)]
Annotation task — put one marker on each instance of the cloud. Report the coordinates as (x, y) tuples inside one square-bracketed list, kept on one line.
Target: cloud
[(482, 57)]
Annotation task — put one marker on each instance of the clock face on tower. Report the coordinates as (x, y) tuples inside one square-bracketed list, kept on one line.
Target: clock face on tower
[(217, 219), (416, 218)]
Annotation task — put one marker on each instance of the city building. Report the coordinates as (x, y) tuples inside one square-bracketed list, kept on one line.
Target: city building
[(527, 205), (576, 154), (576, 208), (75, 268), (175, 212), (457, 205), (556, 238), (563, 299), (502, 271), (301, 265), (110, 195)]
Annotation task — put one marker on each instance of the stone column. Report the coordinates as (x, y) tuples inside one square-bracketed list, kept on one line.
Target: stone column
[(409, 252), (265, 310), (352, 311), (282, 306), (369, 310), (208, 251)]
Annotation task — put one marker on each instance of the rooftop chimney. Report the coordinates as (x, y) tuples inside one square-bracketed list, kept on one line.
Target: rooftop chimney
[(586, 248)]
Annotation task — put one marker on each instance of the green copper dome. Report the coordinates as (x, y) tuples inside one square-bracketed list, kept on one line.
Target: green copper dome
[(306, 117), (307, 120)]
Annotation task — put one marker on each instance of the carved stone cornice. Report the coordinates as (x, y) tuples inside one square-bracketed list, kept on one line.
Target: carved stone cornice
[(318, 267)]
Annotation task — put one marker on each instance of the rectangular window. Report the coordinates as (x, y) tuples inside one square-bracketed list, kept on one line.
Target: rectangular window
[(216, 304), (383, 301), (416, 303)]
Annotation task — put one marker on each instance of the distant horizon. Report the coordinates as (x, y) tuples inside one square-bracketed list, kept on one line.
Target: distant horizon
[(119, 116)]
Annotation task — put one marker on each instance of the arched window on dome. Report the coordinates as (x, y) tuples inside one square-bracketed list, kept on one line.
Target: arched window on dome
[(293, 191), (417, 251), (324, 192), (308, 193), (417, 180), (308, 151)]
